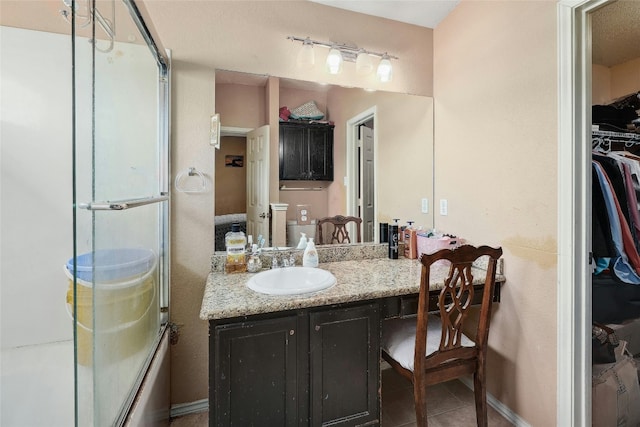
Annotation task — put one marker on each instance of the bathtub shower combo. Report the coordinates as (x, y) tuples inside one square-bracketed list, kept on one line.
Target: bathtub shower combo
[(85, 195)]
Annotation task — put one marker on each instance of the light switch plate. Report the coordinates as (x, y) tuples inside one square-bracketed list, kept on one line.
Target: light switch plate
[(214, 132), (425, 205), (444, 208)]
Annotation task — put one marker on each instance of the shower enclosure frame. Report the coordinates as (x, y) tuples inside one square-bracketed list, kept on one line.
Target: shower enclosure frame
[(161, 199)]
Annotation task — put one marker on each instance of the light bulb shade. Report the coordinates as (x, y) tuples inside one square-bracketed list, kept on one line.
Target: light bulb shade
[(385, 70), (364, 65), (306, 56), (334, 61)]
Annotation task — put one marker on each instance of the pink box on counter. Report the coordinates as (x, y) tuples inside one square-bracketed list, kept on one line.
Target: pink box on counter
[(429, 245)]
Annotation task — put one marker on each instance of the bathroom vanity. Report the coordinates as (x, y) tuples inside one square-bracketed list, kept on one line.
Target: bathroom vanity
[(309, 359)]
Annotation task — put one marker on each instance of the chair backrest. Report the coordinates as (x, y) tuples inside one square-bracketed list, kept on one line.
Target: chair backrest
[(340, 233), (454, 302)]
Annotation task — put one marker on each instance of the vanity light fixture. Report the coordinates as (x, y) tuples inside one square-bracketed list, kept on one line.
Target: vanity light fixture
[(364, 65), (338, 53), (334, 61), (385, 71), (306, 56)]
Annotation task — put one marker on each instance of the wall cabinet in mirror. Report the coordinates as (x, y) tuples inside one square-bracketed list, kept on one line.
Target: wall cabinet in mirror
[(306, 151)]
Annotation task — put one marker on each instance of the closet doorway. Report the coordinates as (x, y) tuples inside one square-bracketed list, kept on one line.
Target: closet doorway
[(574, 210)]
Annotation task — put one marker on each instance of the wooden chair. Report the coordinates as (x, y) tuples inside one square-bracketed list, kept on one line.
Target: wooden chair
[(340, 233), (433, 349)]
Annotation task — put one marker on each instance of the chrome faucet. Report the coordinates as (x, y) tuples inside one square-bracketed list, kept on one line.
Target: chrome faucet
[(274, 257), (286, 262)]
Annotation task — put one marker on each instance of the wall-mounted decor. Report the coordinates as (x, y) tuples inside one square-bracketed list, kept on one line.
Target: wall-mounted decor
[(234, 161)]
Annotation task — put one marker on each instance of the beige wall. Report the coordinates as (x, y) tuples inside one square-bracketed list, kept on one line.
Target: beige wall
[(496, 163), (601, 85), (404, 138), (611, 83), (625, 78), (241, 106), (251, 36), (192, 231)]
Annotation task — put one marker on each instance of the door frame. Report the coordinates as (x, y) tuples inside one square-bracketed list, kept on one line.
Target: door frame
[(573, 368), (351, 178), (231, 131)]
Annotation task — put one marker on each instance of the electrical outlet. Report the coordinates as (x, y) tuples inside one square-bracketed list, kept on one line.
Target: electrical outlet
[(425, 205), (443, 207)]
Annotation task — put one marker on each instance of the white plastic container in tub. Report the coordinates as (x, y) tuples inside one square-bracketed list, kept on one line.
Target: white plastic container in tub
[(113, 264), (124, 293)]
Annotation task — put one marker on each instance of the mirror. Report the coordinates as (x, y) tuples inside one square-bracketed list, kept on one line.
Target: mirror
[(402, 174)]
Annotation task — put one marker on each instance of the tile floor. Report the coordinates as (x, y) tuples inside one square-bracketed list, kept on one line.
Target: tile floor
[(451, 404)]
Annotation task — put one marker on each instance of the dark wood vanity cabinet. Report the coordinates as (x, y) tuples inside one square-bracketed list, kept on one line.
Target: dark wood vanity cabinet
[(306, 151), (313, 367), (344, 366), (253, 373)]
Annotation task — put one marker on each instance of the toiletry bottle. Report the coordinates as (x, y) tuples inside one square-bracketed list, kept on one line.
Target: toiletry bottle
[(254, 263), (235, 242), (384, 232), (410, 241), (310, 257), (302, 244), (393, 240)]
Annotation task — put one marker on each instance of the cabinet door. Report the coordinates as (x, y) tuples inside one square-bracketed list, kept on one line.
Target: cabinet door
[(293, 153), (321, 154), (254, 373), (344, 366)]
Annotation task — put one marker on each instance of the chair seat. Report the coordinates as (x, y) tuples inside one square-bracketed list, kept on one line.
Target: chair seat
[(399, 339)]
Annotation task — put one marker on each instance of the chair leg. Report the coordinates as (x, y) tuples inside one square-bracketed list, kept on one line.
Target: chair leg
[(420, 402), (480, 393)]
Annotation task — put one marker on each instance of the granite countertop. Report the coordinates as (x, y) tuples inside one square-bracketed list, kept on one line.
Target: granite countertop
[(227, 295)]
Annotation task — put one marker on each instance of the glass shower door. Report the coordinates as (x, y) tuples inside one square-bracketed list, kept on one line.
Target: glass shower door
[(121, 207)]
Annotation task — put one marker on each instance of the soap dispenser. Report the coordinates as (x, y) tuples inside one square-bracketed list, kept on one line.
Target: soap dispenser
[(410, 241), (302, 244), (310, 257)]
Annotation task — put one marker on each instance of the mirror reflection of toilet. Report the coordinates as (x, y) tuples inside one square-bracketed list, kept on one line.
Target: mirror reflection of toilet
[(294, 228)]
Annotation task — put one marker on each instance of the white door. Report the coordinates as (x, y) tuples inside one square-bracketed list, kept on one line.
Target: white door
[(258, 182), (367, 182)]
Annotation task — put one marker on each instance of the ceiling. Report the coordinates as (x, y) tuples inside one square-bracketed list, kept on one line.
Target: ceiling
[(616, 32)]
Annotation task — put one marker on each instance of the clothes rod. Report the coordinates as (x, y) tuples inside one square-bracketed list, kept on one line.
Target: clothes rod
[(285, 188)]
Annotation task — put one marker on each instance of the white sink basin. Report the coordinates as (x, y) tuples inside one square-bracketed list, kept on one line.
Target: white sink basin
[(291, 281)]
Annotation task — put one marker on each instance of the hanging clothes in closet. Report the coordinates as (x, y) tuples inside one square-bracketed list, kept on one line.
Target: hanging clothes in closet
[(616, 236)]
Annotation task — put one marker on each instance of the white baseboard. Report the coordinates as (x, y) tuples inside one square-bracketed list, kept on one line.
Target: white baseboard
[(502, 409), (182, 409)]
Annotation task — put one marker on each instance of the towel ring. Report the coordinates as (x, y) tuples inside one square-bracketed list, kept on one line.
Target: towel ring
[(190, 172)]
